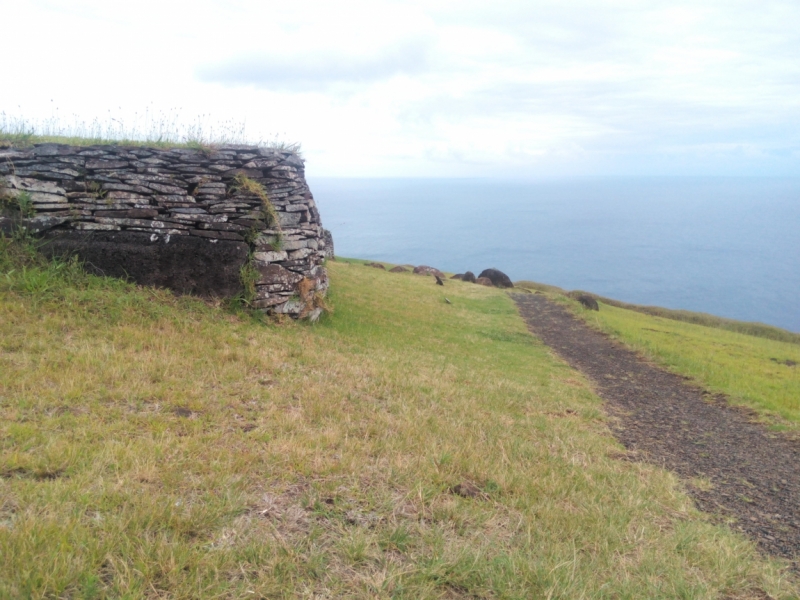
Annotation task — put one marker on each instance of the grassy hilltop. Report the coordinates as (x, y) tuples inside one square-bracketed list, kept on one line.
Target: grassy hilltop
[(157, 446)]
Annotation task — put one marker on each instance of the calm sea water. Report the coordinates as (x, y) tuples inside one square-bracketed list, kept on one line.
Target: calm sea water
[(726, 246)]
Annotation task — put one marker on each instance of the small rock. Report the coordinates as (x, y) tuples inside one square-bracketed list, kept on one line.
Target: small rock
[(398, 269), (465, 489), (587, 301), (469, 276), (458, 276), (497, 277), (484, 281)]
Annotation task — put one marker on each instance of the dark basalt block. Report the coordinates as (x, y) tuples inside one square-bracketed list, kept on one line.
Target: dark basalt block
[(498, 278), (185, 264)]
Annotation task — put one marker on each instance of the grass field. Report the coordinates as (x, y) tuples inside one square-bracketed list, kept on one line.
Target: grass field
[(162, 447), (760, 373)]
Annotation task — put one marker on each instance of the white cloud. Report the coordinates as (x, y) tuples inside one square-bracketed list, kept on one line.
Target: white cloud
[(435, 88)]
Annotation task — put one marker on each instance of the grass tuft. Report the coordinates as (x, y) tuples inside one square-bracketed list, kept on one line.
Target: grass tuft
[(159, 129)]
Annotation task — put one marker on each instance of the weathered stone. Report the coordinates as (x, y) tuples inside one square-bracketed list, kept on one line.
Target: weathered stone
[(106, 165), (47, 172), (134, 213), (398, 269), (498, 278), (290, 219), (32, 185), (90, 226), (270, 257), (126, 196), (40, 198), (227, 207), (292, 306), (49, 149), (50, 207), (268, 301), (42, 223), (302, 253), (183, 263), (251, 224), (484, 281), (122, 187), (189, 211), (172, 190), (220, 235), (458, 276), (273, 274), (126, 222), (209, 223), (294, 244)]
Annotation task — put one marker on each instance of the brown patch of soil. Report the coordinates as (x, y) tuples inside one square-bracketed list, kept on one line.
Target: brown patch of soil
[(660, 418)]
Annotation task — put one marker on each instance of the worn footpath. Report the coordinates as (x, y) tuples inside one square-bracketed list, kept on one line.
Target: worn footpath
[(734, 467)]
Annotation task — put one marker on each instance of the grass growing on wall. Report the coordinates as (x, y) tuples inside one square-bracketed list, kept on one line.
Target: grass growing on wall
[(156, 446), (158, 129)]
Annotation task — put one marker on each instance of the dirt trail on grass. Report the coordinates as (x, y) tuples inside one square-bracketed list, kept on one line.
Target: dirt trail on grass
[(660, 418)]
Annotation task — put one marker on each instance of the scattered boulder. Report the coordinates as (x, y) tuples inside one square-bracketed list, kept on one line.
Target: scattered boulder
[(426, 270), (458, 276), (587, 301), (376, 265), (398, 269), (484, 281), (469, 276), (497, 277)]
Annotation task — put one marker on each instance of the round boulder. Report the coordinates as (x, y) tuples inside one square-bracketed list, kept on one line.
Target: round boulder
[(469, 276), (587, 301), (458, 276), (484, 281), (497, 277), (426, 270), (398, 269)]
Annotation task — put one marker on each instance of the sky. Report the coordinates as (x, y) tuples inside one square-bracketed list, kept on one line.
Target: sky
[(433, 88)]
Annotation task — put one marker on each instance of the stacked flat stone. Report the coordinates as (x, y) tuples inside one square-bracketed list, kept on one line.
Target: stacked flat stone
[(86, 199)]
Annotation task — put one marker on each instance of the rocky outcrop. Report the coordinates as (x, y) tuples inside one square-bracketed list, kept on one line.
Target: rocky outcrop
[(186, 219)]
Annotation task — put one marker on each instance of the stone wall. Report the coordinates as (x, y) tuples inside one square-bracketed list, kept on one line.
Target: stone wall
[(181, 218)]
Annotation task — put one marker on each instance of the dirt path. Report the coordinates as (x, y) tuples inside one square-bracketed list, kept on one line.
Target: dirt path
[(755, 474)]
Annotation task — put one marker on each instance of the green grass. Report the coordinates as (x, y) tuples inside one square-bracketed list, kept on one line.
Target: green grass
[(154, 446), (750, 370)]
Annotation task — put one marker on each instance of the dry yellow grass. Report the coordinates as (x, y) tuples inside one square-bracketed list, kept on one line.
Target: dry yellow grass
[(159, 447)]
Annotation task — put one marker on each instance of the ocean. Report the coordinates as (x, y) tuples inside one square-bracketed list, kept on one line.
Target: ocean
[(725, 246)]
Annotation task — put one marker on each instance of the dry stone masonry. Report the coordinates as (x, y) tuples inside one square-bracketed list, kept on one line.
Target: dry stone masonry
[(193, 220)]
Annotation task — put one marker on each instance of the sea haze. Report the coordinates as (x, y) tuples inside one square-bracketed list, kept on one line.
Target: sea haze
[(726, 246)]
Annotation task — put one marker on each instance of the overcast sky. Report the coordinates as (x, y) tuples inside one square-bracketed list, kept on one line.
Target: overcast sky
[(433, 88)]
